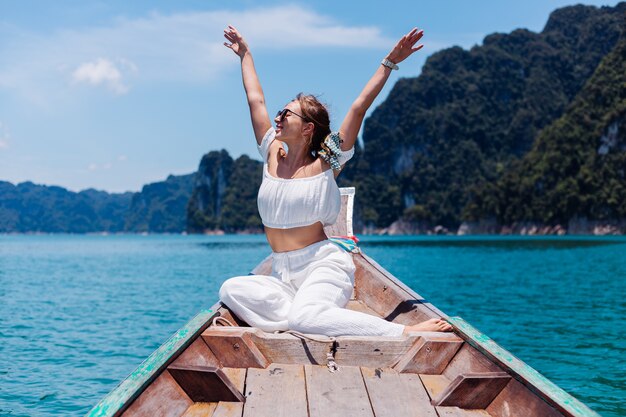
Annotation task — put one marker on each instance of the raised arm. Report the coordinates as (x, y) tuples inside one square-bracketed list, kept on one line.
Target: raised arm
[(352, 122), (254, 93)]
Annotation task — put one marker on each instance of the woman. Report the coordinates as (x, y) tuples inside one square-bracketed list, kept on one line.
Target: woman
[(312, 279)]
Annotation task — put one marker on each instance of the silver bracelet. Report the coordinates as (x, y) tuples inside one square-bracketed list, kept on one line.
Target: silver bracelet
[(389, 64)]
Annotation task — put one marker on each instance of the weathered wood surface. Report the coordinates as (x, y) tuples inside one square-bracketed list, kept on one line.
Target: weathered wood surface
[(459, 412), (232, 409), (200, 410), (386, 297), (205, 383), (234, 347), (431, 354), (164, 397), (278, 391), (473, 391), (237, 376), (516, 399), (469, 360), (396, 395), (336, 394), (289, 349), (423, 307), (549, 391), (226, 409), (372, 351), (197, 354), (434, 384), (118, 399)]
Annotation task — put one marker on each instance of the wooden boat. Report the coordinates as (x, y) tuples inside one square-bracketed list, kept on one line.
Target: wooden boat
[(207, 369)]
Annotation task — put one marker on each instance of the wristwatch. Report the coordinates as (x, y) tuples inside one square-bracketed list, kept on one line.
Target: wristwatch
[(389, 64)]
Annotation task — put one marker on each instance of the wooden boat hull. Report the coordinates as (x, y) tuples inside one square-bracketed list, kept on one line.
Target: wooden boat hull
[(442, 374), (208, 370)]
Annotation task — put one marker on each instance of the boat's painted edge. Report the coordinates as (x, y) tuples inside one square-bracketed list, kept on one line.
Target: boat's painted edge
[(529, 376), (133, 385)]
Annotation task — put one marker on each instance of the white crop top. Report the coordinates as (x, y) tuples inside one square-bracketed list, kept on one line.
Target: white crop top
[(286, 203)]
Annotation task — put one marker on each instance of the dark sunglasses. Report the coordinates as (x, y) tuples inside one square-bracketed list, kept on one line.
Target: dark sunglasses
[(283, 113)]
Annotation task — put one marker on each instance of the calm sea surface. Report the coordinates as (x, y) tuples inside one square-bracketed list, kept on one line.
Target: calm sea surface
[(79, 313)]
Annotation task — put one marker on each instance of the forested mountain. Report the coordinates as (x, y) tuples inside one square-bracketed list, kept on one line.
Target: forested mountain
[(224, 194), (576, 168), (160, 206), (28, 207), (471, 114)]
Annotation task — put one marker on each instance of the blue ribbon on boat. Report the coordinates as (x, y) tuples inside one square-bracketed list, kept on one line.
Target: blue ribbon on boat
[(348, 243)]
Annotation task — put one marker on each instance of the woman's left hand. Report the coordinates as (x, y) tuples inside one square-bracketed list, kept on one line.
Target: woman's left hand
[(404, 48)]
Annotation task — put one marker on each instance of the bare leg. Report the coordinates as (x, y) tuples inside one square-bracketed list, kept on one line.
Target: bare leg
[(432, 325)]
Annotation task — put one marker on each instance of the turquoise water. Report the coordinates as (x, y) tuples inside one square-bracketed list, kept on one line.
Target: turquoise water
[(79, 313)]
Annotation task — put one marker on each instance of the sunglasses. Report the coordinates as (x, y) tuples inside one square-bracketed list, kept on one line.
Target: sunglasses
[(283, 113)]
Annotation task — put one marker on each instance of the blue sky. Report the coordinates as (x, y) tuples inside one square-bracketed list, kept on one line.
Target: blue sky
[(113, 95)]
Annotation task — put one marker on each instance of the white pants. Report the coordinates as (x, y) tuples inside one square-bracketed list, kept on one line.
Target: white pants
[(307, 292)]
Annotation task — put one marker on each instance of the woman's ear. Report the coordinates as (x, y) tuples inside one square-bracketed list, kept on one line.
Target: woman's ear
[(307, 129)]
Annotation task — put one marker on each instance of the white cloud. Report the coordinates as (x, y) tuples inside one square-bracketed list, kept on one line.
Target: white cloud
[(98, 167), (181, 47), (122, 158), (100, 71)]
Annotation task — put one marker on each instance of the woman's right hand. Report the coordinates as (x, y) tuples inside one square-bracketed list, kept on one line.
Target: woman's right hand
[(237, 44)]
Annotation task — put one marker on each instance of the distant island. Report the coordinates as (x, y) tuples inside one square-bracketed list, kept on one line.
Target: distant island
[(524, 134)]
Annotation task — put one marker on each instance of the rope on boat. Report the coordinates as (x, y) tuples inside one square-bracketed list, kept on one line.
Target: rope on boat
[(330, 362), (307, 336), (223, 320), (330, 356)]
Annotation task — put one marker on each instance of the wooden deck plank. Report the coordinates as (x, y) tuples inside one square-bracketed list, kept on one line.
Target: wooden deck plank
[(237, 376), (289, 349), (396, 395), (278, 391), (232, 409), (337, 394), (459, 412), (373, 352), (200, 410), (226, 409), (434, 384)]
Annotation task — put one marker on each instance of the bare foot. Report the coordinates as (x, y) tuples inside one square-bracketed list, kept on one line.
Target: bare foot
[(432, 325)]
